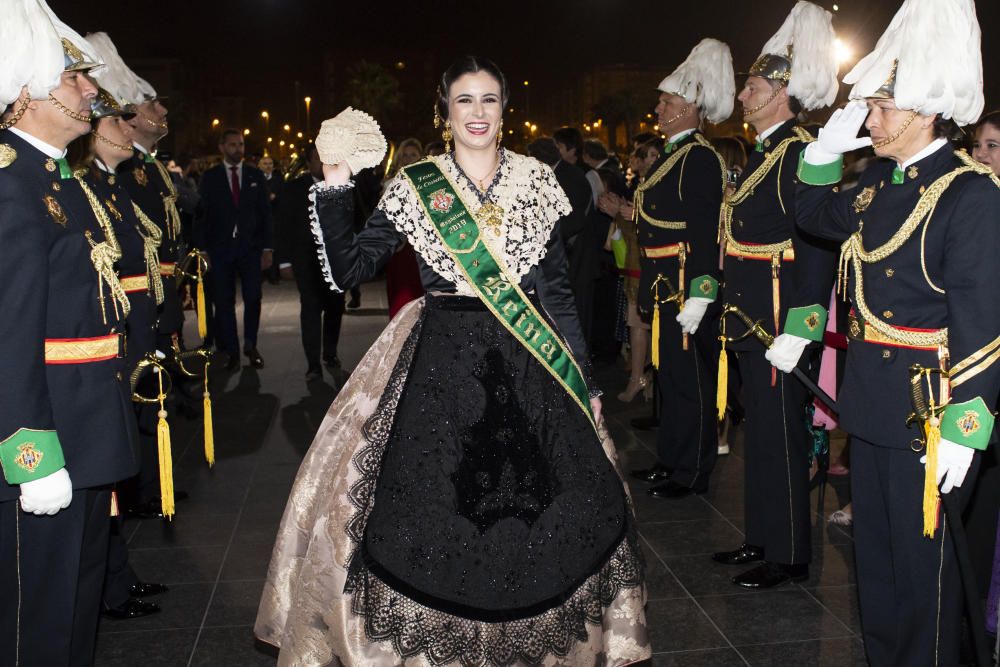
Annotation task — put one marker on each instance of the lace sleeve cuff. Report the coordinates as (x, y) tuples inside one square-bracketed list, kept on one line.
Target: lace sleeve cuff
[(322, 192)]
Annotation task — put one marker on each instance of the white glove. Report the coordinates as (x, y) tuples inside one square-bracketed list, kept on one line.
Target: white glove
[(47, 495), (839, 135), (690, 316), (786, 351), (953, 464)]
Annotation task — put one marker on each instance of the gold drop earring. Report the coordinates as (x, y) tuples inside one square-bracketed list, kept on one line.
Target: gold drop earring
[(500, 134), (447, 135)]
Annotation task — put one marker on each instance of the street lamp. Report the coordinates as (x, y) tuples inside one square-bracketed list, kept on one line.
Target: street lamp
[(287, 128), (267, 121), (298, 134), (215, 123), (308, 102), (246, 132)]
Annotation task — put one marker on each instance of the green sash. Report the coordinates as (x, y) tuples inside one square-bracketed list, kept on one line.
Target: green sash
[(460, 234)]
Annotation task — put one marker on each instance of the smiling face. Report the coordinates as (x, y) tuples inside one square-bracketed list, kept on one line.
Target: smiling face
[(986, 147), (474, 110)]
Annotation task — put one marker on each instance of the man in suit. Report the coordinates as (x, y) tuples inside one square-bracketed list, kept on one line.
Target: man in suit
[(274, 182), (234, 228), (321, 309), (583, 231)]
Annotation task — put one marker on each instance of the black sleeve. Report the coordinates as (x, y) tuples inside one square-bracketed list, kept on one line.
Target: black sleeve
[(353, 259), (971, 276), (704, 182), (815, 263), (558, 301), (264, 216), (24, 272)]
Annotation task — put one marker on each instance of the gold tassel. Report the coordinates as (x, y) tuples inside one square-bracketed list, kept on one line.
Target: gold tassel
[(722, 392), (209, 434), (114, 503), (656, 335), (202, 317), (932, 499), (166, 461)]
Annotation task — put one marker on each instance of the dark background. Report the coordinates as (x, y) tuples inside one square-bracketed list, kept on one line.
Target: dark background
[(230, 60)]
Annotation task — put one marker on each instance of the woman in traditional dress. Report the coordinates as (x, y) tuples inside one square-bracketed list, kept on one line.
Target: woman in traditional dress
[(460, 503)]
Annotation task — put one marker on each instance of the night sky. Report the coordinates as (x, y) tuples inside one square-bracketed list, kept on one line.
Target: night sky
[(256, 49)]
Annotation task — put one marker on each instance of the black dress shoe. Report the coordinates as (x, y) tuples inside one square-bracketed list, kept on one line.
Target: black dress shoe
[(657, 473), (313, 374), (232, 363), (670, 489), (132, 608), (769, 575), (354, 302), (332, 362), (256, 360), (746, 553), (144, 588), (151, 509)]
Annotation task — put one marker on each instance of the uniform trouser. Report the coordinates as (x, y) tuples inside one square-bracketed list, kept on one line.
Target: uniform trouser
[(776, 443), (51, 574), (909, 588), (149, 456), (321, 312), (246, 265), (687, 441), (119, 575)]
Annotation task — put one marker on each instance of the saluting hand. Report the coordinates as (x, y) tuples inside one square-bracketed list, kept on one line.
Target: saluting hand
[(840, 134)]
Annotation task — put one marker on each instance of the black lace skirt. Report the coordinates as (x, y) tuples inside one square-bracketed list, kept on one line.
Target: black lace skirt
[(494, 500)]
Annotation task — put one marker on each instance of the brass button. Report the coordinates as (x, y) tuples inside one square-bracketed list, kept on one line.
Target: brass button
[(887, 314), (652, 207), (50, 165), (111, 179), (886, 354), (889, 273), (56, 187), (118, 376)]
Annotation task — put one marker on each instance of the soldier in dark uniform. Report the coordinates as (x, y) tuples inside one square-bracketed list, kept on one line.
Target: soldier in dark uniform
[(65, 414), (773, 271), (96, 157), (921, 235), (676, 209), (150, 188)]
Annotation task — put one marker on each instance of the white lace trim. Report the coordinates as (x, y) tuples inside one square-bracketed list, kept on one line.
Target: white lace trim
[(526, 190), (317, 232)]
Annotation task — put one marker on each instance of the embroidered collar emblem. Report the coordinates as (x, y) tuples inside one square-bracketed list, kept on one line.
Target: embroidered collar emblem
[(442, 201), (7, 156), (140, 176), (912, 172), (28, 457)]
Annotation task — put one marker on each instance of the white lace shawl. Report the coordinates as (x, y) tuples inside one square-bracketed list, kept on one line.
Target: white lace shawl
[(527, 191)]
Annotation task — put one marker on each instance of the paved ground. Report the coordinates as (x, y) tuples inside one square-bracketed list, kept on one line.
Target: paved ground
[(214, 554)]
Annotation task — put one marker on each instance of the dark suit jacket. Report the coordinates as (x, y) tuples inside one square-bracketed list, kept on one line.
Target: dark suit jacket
[(295, 241), (585, 229), (218, 217)]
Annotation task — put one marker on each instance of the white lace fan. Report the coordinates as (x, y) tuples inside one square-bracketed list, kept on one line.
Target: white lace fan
[(353, 137)]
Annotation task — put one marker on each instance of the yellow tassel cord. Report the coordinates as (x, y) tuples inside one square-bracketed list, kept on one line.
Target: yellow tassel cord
[(114, 503), (202, 317), (166, 461), (209, 434), (932, 500), (656, 336), (722, 389), (722, 393)]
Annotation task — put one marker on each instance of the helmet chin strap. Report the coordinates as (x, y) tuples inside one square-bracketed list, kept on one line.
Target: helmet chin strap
[(897, 134), (157, 125), (16, 116), (676, 118), (116, 146), (749, 112), (67, 111)]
